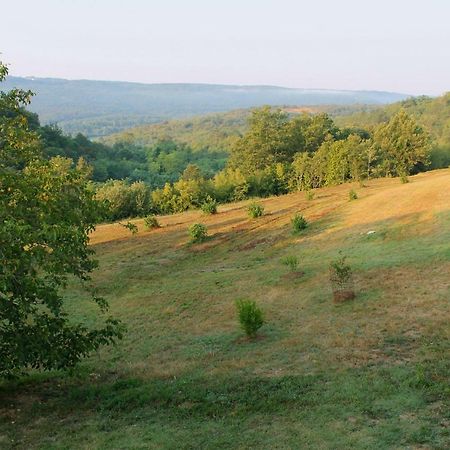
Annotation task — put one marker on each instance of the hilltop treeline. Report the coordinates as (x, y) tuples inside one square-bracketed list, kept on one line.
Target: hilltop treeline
[(213, 131), (431, 113), (280, 154), (220, 131)]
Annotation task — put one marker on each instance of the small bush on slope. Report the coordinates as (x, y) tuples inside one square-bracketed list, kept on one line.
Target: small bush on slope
[(198, 232), (250, 317), (299, 223), (151, 222), (255, 210), (209, 206)]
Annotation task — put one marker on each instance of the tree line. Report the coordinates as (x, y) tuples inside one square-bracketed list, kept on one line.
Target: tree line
[(280, 154)]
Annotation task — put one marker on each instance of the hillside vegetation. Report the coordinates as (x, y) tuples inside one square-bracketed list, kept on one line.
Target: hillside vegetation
[(432, 113), (218, 131), (372, 373), (213, 131), (99, 108), (279, 154)]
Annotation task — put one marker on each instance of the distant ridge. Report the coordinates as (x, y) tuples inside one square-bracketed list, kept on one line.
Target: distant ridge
[(99, 108)]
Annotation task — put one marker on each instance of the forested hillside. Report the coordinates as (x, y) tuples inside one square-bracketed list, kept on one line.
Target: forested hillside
[(99, 108), (432, 113), (219, 131), (214, 131), (156, 164)]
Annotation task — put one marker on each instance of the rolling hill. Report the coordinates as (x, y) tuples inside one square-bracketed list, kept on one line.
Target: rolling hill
[(432, 113), (217, 131), (98, 108), (213, 131), (372, 373)]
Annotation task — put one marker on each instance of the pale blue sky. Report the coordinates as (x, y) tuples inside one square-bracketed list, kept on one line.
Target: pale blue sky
[(394, 45)]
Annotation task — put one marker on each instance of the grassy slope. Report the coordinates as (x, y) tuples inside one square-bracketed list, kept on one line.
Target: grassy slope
[(372, 373)]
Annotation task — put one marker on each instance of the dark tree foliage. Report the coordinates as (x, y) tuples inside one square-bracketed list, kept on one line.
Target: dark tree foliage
[(46, 214)]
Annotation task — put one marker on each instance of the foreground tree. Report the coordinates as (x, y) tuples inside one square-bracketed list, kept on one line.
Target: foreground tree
[(46, 214), (402, 145)]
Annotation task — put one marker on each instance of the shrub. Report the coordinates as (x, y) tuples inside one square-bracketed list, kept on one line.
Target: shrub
[(309, 195), (341, 279), (352, 195), (404, 179), (130, 226), (151, 222), (299, 223), (255, 210), (240, 192), (124, 200), (291, 261), (209, 206), (198, 232), (250, 317)]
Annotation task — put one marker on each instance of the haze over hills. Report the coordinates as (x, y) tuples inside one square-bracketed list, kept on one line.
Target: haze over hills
[(218, 131), (99, 108)]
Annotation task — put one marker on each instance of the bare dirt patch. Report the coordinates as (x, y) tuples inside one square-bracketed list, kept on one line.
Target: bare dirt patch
[(293, 275)]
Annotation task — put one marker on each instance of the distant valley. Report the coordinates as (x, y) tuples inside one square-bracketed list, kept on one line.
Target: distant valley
[(100, 108)]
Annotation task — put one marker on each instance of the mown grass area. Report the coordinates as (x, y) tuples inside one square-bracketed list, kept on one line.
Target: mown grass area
[(370, 373)]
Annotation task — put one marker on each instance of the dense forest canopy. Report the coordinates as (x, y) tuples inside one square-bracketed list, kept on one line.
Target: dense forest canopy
[(155, 164), (219, 131), (214, 131), (431, 113)]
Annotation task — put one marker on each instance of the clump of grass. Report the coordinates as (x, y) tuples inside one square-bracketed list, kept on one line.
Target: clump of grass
[(404, 179), (209, 206), (130, 226), (255, 210), (299, 223), (352, 195), (292, 262), (151, 222), (341, 278), (309, 195), (250, 317), (198, 233)]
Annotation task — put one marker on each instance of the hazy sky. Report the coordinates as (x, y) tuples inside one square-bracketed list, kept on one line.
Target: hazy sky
[(394, 45)]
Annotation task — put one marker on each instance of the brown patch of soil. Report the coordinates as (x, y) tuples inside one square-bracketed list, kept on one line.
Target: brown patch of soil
[(293, 275), (251, 245), (343, 296)]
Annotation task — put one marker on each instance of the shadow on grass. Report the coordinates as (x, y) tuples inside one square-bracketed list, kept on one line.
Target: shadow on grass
[(235, 394)]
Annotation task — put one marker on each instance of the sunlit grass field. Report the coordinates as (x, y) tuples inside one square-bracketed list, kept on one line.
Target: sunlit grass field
[(371, 373)]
